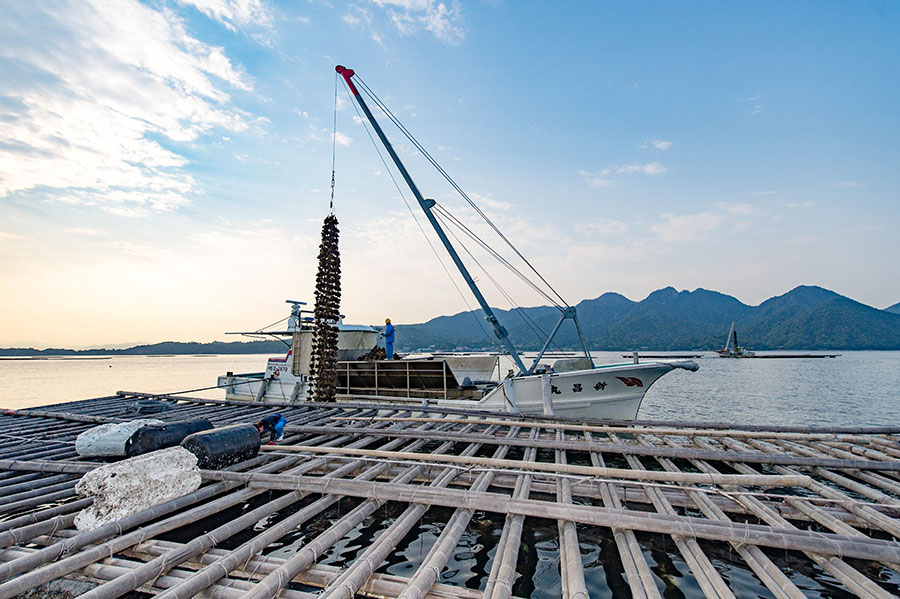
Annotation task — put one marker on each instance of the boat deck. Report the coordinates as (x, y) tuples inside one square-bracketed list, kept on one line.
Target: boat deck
[(396, 501)]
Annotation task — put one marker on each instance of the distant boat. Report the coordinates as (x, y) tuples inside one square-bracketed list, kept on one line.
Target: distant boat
[(732, 349)]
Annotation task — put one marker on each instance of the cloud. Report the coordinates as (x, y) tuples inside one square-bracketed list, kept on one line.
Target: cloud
[(800, 204), (658, 144), (753, 105), (602, 226), (442, 19), (606, 177), (741, 209), (341, 139), (234, 14), (849, 184), (762, 193), (91, 117), (687, 227)]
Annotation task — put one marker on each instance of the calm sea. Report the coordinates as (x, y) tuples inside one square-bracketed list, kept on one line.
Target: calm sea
[(853, 389), (856, 388)]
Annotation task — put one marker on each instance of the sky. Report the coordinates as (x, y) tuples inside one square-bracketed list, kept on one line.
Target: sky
[(165, 166)]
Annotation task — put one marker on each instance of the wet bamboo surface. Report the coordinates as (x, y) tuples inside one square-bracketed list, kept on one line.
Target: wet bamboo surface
[(382, 500)]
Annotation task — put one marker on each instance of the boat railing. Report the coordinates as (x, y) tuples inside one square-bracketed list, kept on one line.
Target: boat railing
[(423, 379)]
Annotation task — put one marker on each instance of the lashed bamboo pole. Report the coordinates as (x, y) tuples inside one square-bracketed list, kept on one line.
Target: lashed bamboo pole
[(207, 576), (629, 474), (668, 452), (655, 429), (873, 517), (355, 575), (767, 572), (500, 580), (37, 569), (271, 585), (850, 577), (379, 585), (571, 568), (707, 577), (429, 570), (39, 517), (111, 568), (637, 572), (868, 492), (871, 549), (633, 493)]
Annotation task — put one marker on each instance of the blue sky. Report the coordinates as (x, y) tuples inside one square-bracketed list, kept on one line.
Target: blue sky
[(165, 166)]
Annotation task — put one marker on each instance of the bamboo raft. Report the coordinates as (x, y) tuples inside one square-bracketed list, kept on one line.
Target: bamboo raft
[(705, 509)]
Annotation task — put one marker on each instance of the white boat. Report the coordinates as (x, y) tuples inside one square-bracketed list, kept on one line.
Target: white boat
[(573, 387), (564, 387)]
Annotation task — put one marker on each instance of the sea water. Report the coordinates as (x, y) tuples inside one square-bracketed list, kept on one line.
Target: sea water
[(857, 388)]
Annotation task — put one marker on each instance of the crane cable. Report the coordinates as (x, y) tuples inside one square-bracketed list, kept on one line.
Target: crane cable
[(453, 183)]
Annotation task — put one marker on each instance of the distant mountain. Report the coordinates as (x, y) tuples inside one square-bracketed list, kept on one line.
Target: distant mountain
[(806, 317), (156, 349)]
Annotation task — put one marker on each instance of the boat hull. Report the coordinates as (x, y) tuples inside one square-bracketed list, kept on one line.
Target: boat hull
[(606, 392)]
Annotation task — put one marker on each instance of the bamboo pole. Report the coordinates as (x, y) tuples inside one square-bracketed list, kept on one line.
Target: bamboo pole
[(648, 475), (637, 572), (571, 568), (207, 576), (502, 575), (431, 567), (271, 585), (854, 580), (355, 575), (767, 572), (379, 585), (871, 549), (38, 569), (707, 577), (669, 452)]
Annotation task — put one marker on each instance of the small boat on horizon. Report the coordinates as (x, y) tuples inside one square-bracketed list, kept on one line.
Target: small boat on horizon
[(733, 350)]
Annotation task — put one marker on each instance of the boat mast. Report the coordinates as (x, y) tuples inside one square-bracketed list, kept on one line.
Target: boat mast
[(426, 206)]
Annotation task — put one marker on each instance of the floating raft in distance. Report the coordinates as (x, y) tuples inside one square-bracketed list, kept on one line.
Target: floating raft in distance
[(784, 505), (769, 356)]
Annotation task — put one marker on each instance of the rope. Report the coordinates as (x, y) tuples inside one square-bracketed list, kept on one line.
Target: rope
[(437, 255), (333, 142), (453, 183)]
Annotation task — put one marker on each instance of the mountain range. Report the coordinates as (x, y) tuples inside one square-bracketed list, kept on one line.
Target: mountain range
[(806, 317)]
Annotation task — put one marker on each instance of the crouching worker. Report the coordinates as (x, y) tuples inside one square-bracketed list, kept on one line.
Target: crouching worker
[(273, 425)]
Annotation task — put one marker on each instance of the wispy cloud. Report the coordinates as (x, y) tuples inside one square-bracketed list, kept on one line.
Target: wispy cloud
[(442, 19), (768, 192), (607, 176), (93, 117), (800, 204), (739, 208), (849, 184), (687, 227), (753, 104), (341, 139), (657, 144), (234, 14)]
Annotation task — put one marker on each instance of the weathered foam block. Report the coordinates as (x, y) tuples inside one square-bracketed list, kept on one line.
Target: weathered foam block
[(109, 440), (127, 487)]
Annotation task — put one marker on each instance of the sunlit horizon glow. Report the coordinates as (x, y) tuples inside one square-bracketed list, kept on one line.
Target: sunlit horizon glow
[(165, 167)]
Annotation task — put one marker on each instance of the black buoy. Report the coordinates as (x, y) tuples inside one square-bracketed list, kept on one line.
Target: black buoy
[(159, 436), (222, 447)]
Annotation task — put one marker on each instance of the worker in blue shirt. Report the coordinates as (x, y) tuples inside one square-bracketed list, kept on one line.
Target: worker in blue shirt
[(273, 425), (388, 335)]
